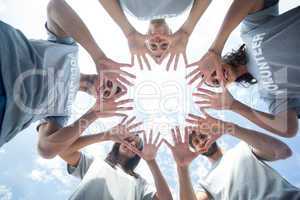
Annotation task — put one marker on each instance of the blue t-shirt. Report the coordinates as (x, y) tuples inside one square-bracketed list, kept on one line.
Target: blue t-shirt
[(273, 46), (40, 78)]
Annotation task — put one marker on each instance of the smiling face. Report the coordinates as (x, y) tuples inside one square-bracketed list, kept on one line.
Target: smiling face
[(158, 40), (198, 141), (125, 151)]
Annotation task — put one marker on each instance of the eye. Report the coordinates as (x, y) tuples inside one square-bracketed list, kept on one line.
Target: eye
[(153, 47), (196, 141), (109, 84), (106, 93), (118, 90), (164, 46)]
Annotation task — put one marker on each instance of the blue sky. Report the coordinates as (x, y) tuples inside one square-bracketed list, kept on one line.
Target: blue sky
[(26, 176)]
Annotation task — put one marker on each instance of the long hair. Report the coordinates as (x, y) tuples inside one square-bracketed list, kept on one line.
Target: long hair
[(237, 58), (129, 167)]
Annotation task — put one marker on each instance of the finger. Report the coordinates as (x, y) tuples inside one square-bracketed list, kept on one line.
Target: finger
[(196, 77), (207, 92), (124, 65), (119, 95), (202, 96), (192, 73), (176, 62), (123, 120), (130, 121), (204, 78), (136, 132), (220, 75), (174, 136), (123, 87), (186, 135), (124, 108), (125, 81), (124, 73), (112, 114), (170, 61), (145, 138), (132, 59), (150, 137), (147, 62), (179, 138), (196, 117), (192, 121), (156, 139), (132, 148), (203, 103), (140, 62), (168, 144), (185, 59), (193, 64), (159, 144), (124, 102), (135, 125)]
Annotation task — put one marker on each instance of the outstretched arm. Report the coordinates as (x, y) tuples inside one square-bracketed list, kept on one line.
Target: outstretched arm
[(199, 7), (113, 8), (64, 21), (238, 10)]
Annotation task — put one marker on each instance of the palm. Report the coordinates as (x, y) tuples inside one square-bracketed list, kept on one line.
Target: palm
[(183, 155), (149, 152)]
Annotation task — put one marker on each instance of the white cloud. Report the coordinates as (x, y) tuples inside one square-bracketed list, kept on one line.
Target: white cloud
[(5, 193)]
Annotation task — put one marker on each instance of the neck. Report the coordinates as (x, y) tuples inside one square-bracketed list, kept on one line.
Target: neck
[(122, 160), (216, 156), (86, 82), (158, 21), (238, 72)]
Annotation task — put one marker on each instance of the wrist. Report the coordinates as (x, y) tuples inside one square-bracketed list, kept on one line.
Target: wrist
[(151, 162), (235, 105), (231, 128)]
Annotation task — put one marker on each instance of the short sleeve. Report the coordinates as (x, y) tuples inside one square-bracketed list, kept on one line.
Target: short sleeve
[(61, 40), (83, 166), (280, 105), (61, 121), (258, 18), (148, 191)]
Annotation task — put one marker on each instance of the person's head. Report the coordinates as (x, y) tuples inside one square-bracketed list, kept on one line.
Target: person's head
[(197, 142), (120, 153), (234, 65), (108, 88), (158, 40)]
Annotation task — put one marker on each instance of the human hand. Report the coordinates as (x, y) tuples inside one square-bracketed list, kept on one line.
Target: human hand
[(210, 99), (211, 62), (123, 130), (178, 45), (149, 151), (110, 107), (138, 49), (111, 70), (182, 154), (212, 127)]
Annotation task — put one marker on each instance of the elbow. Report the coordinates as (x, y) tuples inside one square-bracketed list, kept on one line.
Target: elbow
[(52, 5), (46, 152), (284, 153), (291, 131)]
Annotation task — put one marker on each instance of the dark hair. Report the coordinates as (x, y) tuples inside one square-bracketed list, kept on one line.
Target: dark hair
[(131, 164), (235, 59), (191, 136)]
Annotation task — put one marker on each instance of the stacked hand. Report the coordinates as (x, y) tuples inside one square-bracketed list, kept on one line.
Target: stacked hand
[(111, 70), (138, 49), (206, 66), (214, 100), (178, 45), (110, 107), (181, 151), (212, 127), (150, 147), (123, 130)]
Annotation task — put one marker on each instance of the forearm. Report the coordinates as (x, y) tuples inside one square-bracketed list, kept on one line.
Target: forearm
[(114, 9), (199, 7), (67, 19), (266, 146), (61, 139), (238, 10), (186, 190), (274, 124), (163, 191)]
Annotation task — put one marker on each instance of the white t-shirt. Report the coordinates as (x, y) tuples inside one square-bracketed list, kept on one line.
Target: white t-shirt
[(240, 175), (101, 181)]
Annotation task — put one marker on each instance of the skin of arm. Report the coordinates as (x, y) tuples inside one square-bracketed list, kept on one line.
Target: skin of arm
[(54, 139), (163, 191), (72, 154), (238, 10), (284, 124), (199, 7), (114, 9), (64, 21), (264, 146)]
